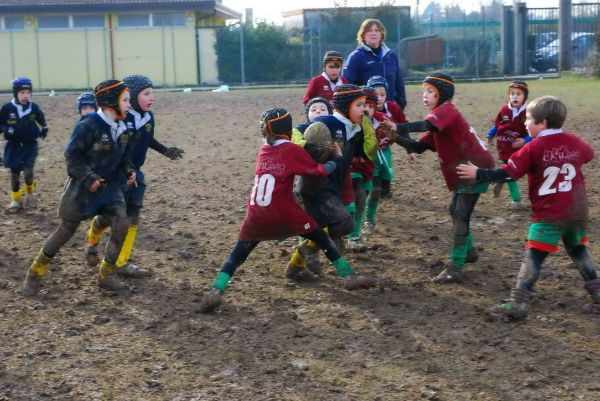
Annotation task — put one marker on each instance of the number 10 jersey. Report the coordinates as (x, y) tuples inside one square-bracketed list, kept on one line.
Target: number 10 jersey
[(272, 211)]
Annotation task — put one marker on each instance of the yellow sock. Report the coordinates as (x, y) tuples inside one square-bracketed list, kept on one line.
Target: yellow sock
[(298, 260), (94, 234), (106, 269), (16, 196), (30, 188), (127, 247), (40, 264)]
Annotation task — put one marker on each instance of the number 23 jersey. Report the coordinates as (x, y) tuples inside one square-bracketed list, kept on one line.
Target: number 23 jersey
[(552, 162), (272, 211)]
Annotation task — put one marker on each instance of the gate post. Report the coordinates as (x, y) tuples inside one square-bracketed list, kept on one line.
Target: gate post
[(507, 42), (520, 33), (565, 28)]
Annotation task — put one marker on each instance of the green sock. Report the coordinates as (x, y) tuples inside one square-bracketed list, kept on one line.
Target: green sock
[(358, 217), (513, 190), (372, 211), (351, 207), (342, 267), (459, 250), (222, 281), (469, 241)]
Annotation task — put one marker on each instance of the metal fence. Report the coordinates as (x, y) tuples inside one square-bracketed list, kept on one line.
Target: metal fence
[(543, 42)]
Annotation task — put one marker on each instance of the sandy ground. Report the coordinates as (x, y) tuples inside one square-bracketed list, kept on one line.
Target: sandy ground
[(274, 340)]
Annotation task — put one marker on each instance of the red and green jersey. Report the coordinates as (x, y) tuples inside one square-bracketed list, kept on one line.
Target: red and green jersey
[(510, 125), (456, 142), (552, 162)]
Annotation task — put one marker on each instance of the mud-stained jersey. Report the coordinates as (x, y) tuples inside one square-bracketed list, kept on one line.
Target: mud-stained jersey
[(272, 211), (510, 124), (456, 142), (552, 162)]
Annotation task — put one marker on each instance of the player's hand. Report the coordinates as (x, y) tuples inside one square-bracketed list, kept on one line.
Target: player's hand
[(389, 129), (467, 171), (335, 150), (131, 177), (44, 132), (518, 143), (174, 153), (96, 185), (412, 158)]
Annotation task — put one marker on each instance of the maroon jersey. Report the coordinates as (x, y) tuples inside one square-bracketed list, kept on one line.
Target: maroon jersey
[(272, 212), (456, 142), (321, 86), (510, 125), (394, 112), (552, 162)]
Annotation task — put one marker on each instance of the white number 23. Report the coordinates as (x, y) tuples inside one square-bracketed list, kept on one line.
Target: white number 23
[(551, 174)]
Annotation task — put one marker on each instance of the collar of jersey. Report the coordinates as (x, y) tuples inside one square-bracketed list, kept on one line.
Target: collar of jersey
[(20, 111), (140, 120), (351, 129), (550, 131), (116, 127)]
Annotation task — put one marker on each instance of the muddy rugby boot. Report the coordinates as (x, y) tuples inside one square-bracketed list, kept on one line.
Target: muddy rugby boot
[(515, 309), (14, 206), (35, 274), (355, 245), (311, 256), (132, 271), (299, 274), (107, 278), (368, 228), (30, 201), (593, 288), (357, 281), (451, 274), (91, 254), (211, 300)]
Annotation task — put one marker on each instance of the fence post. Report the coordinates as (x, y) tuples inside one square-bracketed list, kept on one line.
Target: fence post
[(242, 66), (507, 40), (520, 34), (565, 28)]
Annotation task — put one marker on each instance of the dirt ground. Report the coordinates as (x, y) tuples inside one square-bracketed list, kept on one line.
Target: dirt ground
[(274, 340)]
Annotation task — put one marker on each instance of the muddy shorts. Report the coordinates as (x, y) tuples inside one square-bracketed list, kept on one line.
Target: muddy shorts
[(78, 203), (546, 236), (19, 156), (325, 207), (134, 195)]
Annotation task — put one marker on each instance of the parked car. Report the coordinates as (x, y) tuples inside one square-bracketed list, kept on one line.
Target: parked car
[(546, 58)]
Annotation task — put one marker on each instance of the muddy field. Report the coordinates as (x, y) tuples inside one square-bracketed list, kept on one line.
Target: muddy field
[(274, 340)]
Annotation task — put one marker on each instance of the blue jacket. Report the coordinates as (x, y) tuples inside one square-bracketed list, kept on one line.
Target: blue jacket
[(20, 123), (363, 64), (141, 136), (97, 150)]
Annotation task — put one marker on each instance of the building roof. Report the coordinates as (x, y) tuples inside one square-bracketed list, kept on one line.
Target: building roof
[(74, 6)]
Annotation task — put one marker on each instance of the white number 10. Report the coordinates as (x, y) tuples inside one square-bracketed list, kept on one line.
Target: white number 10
[(262, 191), (551, 174)]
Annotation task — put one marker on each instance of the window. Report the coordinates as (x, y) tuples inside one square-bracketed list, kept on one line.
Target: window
[(134, 20), (53, 22), (12, 22), (88, 21), (168, 19), (151, 20)]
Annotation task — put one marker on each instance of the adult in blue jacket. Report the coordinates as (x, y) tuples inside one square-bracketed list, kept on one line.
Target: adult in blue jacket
[(372, 57)]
